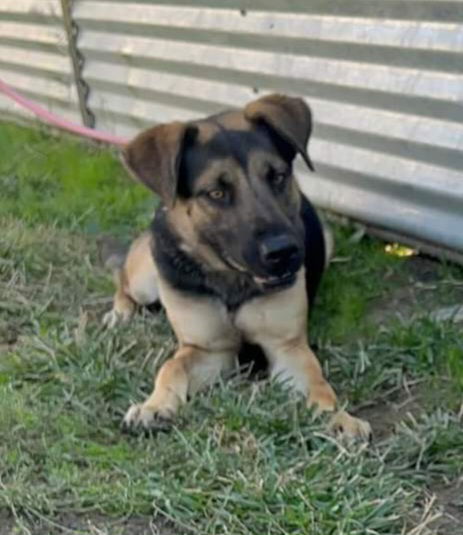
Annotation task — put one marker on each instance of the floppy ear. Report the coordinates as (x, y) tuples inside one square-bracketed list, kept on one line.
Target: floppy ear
[(289, 117), (153, 157)]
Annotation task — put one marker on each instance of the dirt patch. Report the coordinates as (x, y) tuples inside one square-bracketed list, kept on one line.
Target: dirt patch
[(385, 415), (92, 524), (399, 303), (6, 523), (450, 499), (416, 288), (8, 336)]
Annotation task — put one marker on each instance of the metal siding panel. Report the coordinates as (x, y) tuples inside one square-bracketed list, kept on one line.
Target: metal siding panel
[(128, 80), (384, 79), (327, 27), (34, 57)]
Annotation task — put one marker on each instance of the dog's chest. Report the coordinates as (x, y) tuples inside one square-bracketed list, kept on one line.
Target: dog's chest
[(206, 322)]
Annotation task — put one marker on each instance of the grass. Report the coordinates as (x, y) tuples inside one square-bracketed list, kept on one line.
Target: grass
[(61, 183), (244, 458)]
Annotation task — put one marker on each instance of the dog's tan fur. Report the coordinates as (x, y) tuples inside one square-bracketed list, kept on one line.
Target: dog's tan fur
[(208, 341), (209, 335)]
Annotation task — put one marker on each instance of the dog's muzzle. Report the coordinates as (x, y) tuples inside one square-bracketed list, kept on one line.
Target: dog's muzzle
[(280, 257)]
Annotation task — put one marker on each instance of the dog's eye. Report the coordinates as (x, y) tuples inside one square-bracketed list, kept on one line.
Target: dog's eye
[(217, 194), (277, 178), (221, 194)]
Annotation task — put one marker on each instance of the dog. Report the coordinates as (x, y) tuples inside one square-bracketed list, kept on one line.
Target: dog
[(235, 254)]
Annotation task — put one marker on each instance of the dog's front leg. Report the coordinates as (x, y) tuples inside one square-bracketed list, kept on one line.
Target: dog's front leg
[(278, 324), (293, 362), (191, 369)]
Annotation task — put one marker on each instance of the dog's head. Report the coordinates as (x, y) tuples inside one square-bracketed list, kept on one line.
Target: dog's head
[(228, 187)]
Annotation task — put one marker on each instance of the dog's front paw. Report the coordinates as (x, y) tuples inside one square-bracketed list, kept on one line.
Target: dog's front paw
[(114, 317), (350, 427), (110, 319), (145, 417)]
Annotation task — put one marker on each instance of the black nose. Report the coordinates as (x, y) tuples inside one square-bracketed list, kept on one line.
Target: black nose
[(280, 253)]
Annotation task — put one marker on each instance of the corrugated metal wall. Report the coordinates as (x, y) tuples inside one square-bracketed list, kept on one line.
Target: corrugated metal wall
[(383, 77), (34, 56)]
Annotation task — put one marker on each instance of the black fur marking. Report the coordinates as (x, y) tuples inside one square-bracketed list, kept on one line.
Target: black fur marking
[(184, 273), (252, 361), (232, 288), (315, 249), (251, 357), (238, 144)]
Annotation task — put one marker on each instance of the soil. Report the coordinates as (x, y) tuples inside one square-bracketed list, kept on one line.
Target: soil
[(450, 500), (414, 293), (385, 418), (387, 414), (91, 524)]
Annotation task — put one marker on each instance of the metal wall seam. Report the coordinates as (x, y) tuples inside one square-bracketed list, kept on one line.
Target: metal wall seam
[(77, 62)]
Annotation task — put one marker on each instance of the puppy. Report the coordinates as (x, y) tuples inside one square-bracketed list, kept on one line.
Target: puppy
[(235, 254)]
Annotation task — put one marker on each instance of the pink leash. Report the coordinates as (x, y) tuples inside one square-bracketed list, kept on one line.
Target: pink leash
[(53, 119)]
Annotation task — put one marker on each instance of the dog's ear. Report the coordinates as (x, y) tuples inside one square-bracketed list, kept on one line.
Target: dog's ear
[(154, 157), (288, 117)]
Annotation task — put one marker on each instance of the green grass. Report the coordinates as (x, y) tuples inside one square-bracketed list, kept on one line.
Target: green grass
[(67, 184), (244, 458)]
